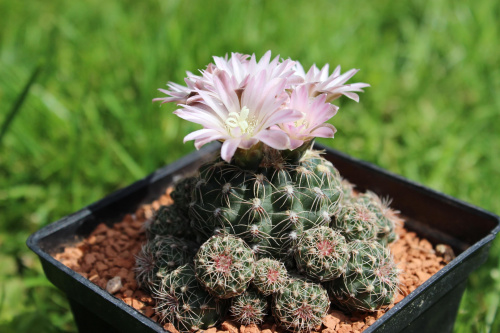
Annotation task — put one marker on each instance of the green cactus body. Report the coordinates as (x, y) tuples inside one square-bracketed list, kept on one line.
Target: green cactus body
[(322, 254), (161, 255), (249, 308), (224, 265), (181, 300), (300, 306), (348, 190), (270, 207), (169, 220), (270, 276), (182, 193), (385, 217), (371, 279), (356, 222)]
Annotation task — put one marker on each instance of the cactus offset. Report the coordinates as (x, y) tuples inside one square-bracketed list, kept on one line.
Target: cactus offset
[(249, 308), (169, 220), (322, 254), (181, 300), (270, 276), (356, 222), (370, 281), (224, 265), (300, 306), (386, 218), (161, 255)]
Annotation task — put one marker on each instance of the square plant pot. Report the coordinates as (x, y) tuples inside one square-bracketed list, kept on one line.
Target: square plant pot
[(439, 218)]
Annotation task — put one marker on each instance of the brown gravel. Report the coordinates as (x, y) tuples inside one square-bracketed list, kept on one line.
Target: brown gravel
[(107, 259)]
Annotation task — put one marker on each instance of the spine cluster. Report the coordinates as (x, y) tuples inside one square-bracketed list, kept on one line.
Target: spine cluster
[(289, 234)]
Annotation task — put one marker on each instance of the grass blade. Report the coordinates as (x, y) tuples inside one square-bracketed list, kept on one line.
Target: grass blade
[(19, 101)]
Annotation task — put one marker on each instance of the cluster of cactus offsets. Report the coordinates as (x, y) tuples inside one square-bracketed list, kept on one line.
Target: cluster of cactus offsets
[(260, 227)]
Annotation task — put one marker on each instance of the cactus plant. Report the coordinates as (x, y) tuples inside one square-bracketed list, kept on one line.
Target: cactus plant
[(356, 222), (268, 196), (386, 218), (181, 300), (224, 265), (269, 207), (161, 255), (322, 254), (249, 308), (270, 276), (300, 306), (371, 279)]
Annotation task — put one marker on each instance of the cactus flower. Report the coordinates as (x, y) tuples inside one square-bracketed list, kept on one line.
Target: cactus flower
[(315, 112), (319, 82), (240, 122)]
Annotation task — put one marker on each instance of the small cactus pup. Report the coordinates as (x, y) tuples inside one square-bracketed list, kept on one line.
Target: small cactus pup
[(181, 195), (386, 218), (159, 256), (224, 265), (356, 222), (322, 254), (270, 276), (169, 220), (249, 308), (300, 306), (371, 279), (182, 301)]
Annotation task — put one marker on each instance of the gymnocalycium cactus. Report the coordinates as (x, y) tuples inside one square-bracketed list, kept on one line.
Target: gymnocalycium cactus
[(271, 217), (249, 307), (224, 265), (301, 305), (181, 300)]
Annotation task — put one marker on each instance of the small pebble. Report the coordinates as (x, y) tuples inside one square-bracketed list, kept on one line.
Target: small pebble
[(114, 285)]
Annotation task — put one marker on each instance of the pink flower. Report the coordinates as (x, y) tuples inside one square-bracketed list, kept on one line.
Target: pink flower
[(315, 113), (318, 82), (239, 68), (240, 122)]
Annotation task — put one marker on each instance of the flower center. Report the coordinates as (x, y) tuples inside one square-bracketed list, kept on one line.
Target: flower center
[(240, 120)]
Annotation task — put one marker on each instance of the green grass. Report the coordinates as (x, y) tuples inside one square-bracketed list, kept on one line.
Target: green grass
[(87, 126)]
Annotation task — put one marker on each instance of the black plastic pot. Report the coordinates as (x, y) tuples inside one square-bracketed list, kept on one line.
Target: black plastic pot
[(432, 307)]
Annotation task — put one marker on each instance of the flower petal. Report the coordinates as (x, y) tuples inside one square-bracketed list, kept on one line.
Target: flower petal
[(228, 148), (324, 131), (276, 139)]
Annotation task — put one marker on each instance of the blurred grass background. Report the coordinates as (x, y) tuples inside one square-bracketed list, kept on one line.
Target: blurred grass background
[(87, 126)]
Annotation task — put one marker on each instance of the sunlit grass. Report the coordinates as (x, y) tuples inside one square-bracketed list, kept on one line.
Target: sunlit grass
[(88, 127)]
